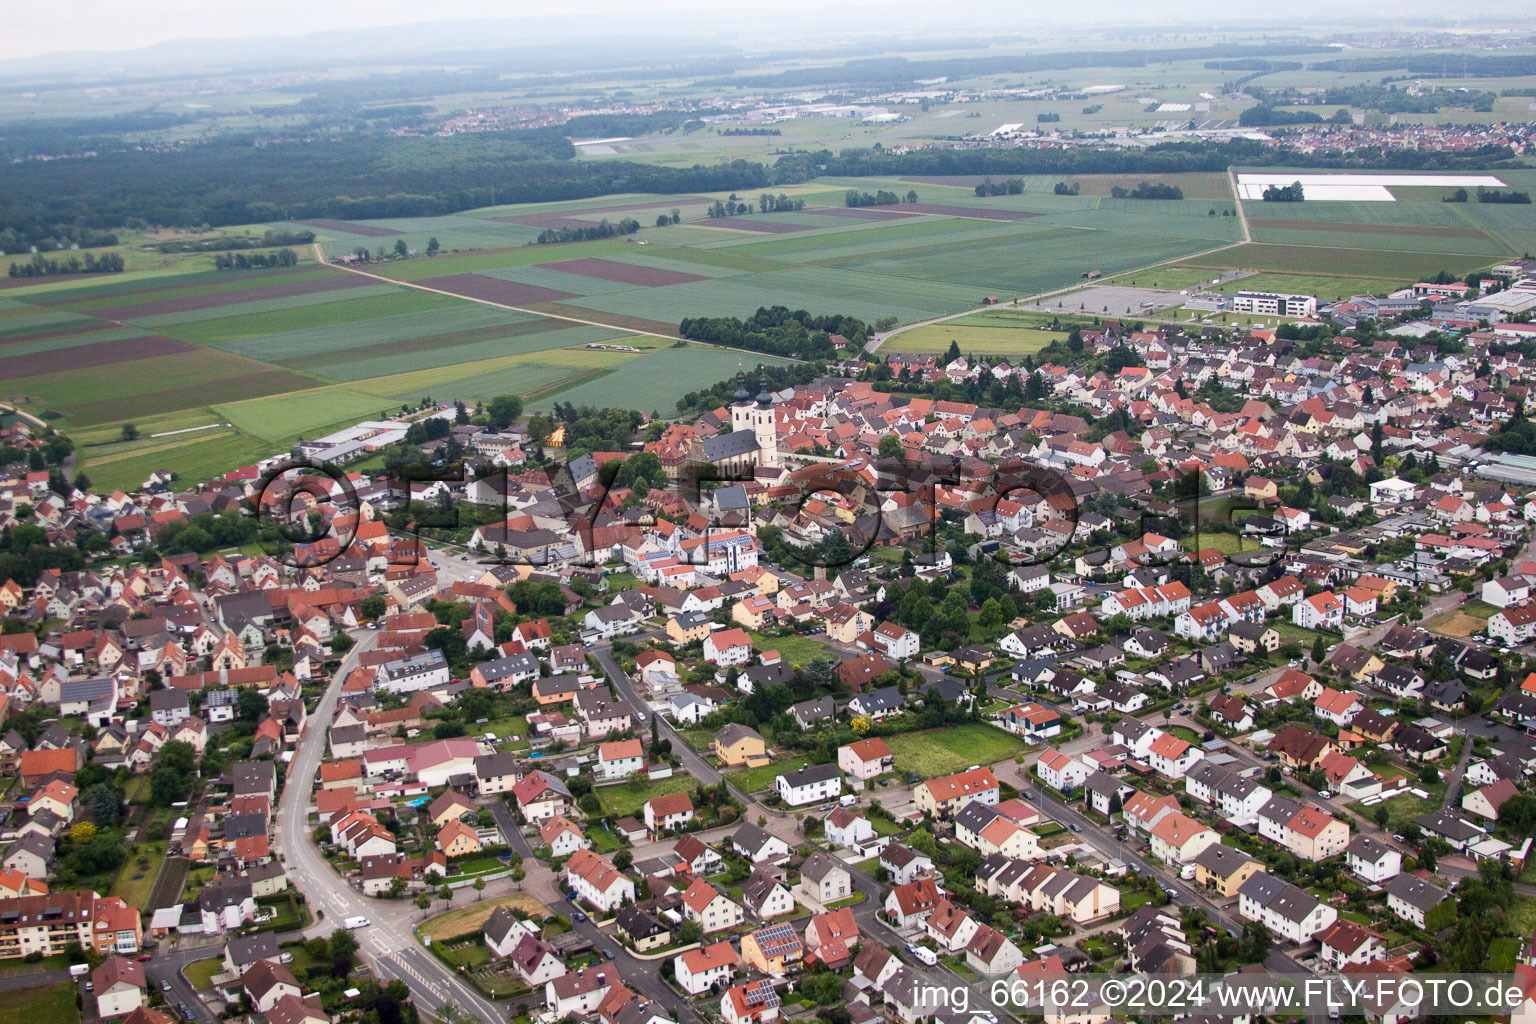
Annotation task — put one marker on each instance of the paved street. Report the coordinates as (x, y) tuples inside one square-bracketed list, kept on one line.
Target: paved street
[(388, 943), (166, 967)]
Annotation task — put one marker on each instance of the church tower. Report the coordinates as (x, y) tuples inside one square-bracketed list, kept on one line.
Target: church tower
[(741, 405), (763, 426)]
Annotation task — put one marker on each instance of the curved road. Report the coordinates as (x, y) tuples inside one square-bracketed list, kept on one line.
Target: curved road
[(389, 943)]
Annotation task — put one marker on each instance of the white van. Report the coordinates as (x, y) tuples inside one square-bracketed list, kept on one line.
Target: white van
[(353, 923), (923, 954)]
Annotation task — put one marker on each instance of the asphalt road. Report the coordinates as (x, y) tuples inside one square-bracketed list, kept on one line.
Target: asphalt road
[(167, 966), (1189, 894), (388, 943)]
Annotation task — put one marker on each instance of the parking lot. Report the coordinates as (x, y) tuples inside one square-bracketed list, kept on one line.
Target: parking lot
[(1112, 300)]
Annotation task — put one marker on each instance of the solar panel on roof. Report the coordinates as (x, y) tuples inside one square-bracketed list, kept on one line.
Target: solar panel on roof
[(761, 995), (777, 938)]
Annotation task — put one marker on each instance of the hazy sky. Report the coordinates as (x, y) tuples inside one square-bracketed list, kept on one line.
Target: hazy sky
[(32, 29), (115, 25)]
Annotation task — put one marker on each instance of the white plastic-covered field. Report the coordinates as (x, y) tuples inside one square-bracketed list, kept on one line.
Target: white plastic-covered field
[(1367, 188)]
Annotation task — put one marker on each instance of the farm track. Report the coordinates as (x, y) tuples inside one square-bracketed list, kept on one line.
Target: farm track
[(520, 309), (468, 298), (1242, 218)]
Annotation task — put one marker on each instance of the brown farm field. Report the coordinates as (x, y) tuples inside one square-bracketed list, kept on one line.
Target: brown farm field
[(623, 273), (80, 357), (493, 289)]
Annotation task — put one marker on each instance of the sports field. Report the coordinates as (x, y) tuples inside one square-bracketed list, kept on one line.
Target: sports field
[(221, 368)]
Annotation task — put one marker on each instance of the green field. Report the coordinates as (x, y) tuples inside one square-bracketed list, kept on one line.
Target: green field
[(52, 1003), (271, 370), (1342, 262), (305, 413), (996, 333), (946, 751), (658, 379)]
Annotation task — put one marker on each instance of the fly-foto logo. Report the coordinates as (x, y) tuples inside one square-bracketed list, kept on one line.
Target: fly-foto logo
[(836, 513)]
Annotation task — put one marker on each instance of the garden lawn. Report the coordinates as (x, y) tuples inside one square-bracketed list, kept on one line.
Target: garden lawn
[(753, 780), (1501, 954), (200, 972), (54, 1004), (134, 891), (1404, 808), (472, 918), (1522, 915), (1226, 543), (621, 801), (946, 751), (795, 650)]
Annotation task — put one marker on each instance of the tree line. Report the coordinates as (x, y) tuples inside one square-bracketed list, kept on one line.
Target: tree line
[(1291, 193), (602, 229), (854, 198), (1147, 190), (242, 261), (269, 239), (52, 238), (1163, 158), (1011, 187), (37, 266), (1493, 195)]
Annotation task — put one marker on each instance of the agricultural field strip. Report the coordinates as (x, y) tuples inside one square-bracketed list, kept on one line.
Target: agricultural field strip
[(435, 379), (210, 303), (660, 378), (30, 322), (399, 327), (500, 305), (274, 305), (1343, 262), (82, 356), (107, 332), (425, 355), (189, 285), (174, 282), (334, 314)]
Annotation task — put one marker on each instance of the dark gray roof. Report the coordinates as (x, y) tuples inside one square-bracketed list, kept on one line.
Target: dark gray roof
[(84, 690), (247, 949), (502, 668), (1278, 895), (1416, 892), (975, 816), (729, 446), (880, 700), (813, 710), (168, 700), (808, 776)]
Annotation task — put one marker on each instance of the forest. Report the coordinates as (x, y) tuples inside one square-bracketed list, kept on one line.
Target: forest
[(350, 177), (778, 331)]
